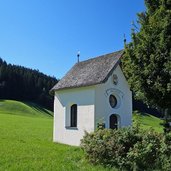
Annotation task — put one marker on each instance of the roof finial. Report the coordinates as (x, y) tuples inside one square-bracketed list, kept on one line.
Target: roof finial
[(78, 56), (124, 40)]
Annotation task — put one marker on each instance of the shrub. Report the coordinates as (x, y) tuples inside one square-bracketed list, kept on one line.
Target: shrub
[(110, 147), (145, 153), (165, 153), (128, 149)]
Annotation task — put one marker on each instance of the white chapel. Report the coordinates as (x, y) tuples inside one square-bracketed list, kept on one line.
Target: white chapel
[(93, 92)]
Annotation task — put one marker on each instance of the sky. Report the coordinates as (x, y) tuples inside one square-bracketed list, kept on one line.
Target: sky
[(47, 34)]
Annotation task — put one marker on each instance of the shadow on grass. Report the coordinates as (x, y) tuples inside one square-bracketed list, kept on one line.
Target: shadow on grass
[(38, 108), (141, 113)]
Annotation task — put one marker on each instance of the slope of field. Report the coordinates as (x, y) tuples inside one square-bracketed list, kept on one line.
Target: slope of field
[(26, 142), (147, 121), (21, 108)]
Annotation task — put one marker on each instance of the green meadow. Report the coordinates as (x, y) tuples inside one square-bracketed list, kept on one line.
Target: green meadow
[(147, 121), (23, 109), (26, 140)]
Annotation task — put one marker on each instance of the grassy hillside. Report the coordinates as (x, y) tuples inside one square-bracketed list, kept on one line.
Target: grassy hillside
[(21, 108), (26, 142), (147, 121)]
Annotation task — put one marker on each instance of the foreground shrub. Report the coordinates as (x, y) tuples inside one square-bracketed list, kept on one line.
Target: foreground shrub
[(164, 160), (110, 147), (128, 149), (145, 153)]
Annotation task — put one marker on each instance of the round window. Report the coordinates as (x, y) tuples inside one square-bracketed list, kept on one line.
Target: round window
[(112, 101)]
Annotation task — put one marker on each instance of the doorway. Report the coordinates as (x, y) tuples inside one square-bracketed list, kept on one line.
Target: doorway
[(113, 121)]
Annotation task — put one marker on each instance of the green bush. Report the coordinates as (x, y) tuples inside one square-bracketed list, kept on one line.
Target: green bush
[(128, 149), (145, 153), (165, 153), (110, 147)]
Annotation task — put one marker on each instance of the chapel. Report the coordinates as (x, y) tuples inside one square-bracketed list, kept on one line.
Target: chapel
[(92, 93)]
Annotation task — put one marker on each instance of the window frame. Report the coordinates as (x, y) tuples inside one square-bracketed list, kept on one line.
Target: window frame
[(73, 116), (113, 97)]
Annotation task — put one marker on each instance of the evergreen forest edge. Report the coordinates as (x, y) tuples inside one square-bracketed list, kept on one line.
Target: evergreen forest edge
[(24, 84)]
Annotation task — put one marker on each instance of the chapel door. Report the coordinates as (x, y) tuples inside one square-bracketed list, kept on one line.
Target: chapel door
[(113, 121)]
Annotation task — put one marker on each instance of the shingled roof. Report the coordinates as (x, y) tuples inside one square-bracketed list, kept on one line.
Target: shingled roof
[(90, 72)]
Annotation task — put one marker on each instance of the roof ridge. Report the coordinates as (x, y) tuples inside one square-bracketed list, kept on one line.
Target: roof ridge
[(90, 72), (100, 56)]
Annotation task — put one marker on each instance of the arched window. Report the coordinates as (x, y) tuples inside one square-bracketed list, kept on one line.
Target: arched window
[(73, 117)]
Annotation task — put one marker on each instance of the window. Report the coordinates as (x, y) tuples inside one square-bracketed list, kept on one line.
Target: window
[(73, 116), (112, 101)]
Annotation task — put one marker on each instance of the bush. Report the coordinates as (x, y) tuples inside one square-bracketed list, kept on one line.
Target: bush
[(145, 153), (165, 153), (110, 147), (128, 149)]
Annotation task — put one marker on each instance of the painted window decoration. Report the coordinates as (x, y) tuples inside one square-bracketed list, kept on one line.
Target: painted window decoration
[(73, 116), (112, 101), (115, 79)]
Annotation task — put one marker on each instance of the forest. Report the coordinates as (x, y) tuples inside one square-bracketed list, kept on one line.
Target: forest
[(23, 84)]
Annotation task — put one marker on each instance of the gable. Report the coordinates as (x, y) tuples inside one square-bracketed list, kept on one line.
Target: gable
[(119, 79)]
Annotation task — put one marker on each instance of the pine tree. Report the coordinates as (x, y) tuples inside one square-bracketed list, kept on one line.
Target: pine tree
[(20, 83)]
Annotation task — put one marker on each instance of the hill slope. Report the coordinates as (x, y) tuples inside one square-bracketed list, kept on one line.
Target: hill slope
[(21, 108), (148, 121), (31, 109)]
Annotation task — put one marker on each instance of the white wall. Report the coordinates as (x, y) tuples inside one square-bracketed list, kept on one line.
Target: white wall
[(103, 110), (93, 107), (84, 98)]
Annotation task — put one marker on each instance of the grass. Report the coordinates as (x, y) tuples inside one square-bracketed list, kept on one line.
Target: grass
[(26, 142), (23, 108), (147, 121)]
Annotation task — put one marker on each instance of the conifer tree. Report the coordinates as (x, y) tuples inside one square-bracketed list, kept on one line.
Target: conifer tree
[(147, 59), (24, 84)]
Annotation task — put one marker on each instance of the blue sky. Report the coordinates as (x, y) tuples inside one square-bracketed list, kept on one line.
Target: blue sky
[(46, 34)]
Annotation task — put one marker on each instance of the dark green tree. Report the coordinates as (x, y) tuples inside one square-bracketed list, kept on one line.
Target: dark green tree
[(147, 59), (20, 83)]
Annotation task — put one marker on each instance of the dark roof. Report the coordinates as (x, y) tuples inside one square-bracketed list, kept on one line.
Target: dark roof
[(90, 72)]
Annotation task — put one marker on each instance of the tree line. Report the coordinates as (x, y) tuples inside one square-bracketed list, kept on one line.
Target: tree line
[(23, 84)]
